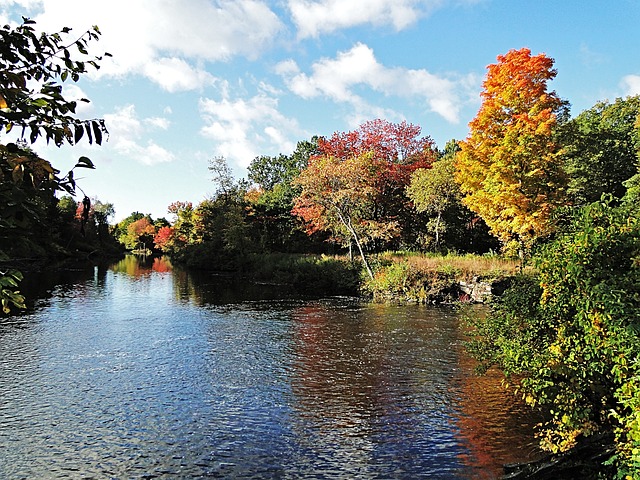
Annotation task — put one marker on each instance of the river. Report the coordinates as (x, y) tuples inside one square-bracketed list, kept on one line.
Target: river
[(142, 370)]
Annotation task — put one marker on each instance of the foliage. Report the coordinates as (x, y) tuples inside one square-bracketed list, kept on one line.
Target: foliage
[(162, 238), (509, 168), (134, 229), (398, 150), (338, 195), (32, 70), (9, 296), (571, 335), (434, 191), (601, 149), (268, 172), (139, 233), (271, 201)]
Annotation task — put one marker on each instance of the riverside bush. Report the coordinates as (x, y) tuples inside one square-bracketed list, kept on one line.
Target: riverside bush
[(318, 274), (570, 335)]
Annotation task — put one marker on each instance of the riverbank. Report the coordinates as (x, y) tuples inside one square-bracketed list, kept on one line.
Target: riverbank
[(399, 277), (436, 279)]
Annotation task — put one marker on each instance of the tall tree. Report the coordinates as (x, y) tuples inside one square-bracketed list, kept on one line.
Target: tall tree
[(509, 168), (602, 149)]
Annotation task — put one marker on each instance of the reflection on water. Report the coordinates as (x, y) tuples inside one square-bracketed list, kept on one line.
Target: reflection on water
[(137, 266), (145, 371)]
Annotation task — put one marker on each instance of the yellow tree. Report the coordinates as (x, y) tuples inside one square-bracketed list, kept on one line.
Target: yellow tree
[(509, 167)]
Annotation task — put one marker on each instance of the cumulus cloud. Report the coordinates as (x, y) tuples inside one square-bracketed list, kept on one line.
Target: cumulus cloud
[(245, 128), (165, 41), (128, 136), (338, 78), (175, 75), (315, 17), (631, 85)]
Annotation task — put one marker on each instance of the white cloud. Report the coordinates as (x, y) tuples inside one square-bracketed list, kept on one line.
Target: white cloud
[(174, 75), (158, 122), (338, 78), (163, 40), (245, 128), (631, 85), (314, 17), (128, 136)]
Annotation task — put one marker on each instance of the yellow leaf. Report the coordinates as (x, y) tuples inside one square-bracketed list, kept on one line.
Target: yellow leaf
[(3, 103), (18, 173)]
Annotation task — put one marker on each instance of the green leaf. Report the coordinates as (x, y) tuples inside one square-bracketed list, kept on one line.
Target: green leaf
[(97, 132), (84, 162), (39, 102)]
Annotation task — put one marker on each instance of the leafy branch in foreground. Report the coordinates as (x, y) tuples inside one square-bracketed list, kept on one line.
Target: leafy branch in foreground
[(32, 70)]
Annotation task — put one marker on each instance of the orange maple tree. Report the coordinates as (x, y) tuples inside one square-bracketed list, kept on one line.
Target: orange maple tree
[(509, 167)]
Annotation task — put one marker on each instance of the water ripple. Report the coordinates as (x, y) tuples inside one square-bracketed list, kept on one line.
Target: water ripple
[(118, 377)]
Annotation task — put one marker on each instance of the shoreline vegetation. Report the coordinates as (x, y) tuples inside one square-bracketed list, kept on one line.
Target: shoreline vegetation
[(398, 277)]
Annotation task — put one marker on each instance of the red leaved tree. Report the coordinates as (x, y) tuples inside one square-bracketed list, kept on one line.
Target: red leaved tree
[(398, 150), (338, 196)]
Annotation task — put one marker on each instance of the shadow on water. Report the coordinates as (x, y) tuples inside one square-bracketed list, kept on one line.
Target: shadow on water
[(143, 370)]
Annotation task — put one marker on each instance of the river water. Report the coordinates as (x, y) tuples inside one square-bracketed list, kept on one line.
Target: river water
[(140, 370)]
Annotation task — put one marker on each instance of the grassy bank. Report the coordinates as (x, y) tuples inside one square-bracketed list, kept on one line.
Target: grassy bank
[(398, 276), (429, 278)]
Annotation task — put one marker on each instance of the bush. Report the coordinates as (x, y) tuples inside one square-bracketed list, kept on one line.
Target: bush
[(571, 335)]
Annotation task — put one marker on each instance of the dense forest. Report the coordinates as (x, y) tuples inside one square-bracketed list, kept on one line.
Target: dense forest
[(560, 193)]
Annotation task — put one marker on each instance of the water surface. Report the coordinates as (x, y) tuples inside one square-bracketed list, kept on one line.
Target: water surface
[(140, 370)]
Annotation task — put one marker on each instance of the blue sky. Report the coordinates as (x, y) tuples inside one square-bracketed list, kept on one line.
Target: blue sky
[(191, 80)]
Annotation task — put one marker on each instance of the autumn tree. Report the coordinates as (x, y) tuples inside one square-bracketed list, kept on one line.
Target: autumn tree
[(398, 150), (338, 195), (162, 238), (183, 223), (509, 168), (139, 232)]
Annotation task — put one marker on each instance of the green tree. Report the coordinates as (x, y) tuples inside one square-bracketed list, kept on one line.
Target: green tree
[(434, 190), (338, 195), (509, 169), (601, 149), (33, 69), (271, 202)]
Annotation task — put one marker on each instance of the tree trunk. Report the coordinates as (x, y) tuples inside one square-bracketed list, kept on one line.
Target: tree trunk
[(354, 234)]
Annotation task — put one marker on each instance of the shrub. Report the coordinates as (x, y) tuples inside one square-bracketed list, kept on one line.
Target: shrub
[(571, 335)]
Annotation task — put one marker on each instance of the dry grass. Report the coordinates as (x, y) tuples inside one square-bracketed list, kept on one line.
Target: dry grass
[(464, 266)]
